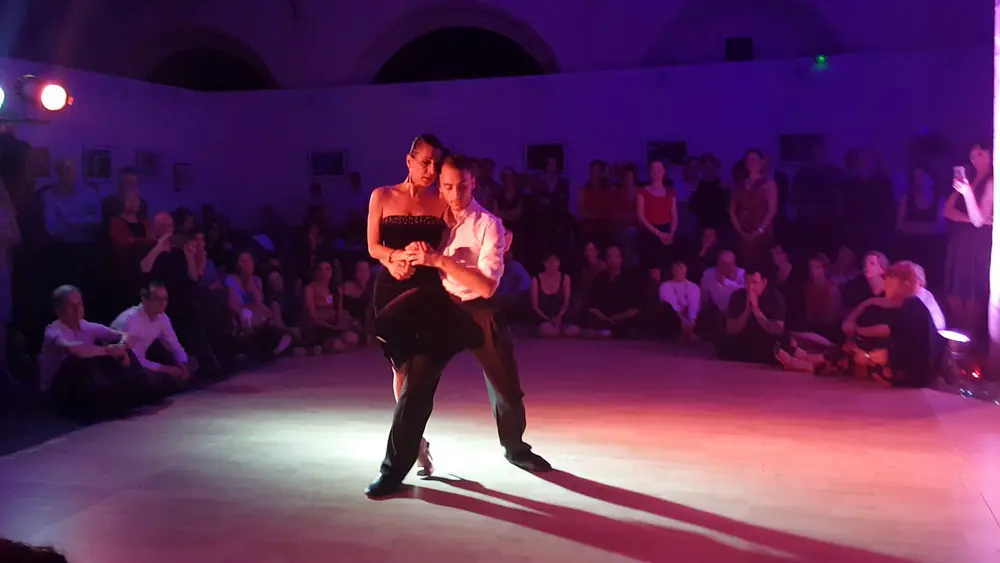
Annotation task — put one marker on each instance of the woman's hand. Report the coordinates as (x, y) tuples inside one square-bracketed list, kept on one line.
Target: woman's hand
[(666, 238), (400, 269), (961, 186)]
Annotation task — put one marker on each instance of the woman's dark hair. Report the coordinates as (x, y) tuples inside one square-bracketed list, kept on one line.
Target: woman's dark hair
[(985, 145), (426, 139)]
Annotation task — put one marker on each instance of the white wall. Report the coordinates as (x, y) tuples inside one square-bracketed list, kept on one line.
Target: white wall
[(126, 116), (875, 100)]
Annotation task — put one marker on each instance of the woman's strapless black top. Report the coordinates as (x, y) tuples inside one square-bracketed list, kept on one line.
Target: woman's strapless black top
[(397, 231), (417, 316)]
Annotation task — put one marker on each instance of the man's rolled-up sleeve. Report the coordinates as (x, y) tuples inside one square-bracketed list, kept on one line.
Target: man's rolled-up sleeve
[(494, 247)]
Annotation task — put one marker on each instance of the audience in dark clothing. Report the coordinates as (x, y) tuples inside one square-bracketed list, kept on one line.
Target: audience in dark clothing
[(614, 300), (755, 322)]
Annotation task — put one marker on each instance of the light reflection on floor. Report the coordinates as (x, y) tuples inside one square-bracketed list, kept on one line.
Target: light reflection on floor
[(666, 457)]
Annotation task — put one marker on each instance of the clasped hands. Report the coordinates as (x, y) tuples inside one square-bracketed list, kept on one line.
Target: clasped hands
[(402, 263)]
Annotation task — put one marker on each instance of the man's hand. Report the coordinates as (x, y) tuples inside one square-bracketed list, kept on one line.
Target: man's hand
[(424, 254), (164, 242), (753, 302), (116, 350)]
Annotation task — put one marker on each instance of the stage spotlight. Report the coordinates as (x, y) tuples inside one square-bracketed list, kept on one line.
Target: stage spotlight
[(3, 96), (45, 93)]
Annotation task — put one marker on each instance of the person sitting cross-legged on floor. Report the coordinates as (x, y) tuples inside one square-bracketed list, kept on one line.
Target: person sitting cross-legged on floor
[(614, 300), (755, 322), (86, 368), (150, 335)]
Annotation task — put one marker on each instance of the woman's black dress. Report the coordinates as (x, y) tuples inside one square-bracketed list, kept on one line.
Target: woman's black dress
[(416, 315)]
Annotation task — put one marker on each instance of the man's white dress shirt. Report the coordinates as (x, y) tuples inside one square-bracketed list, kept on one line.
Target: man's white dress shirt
[(477, 240), (141, 331), (717, 291), (684, 296), (58, 337)]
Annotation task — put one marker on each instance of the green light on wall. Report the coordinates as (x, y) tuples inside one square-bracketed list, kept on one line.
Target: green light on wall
[(821, 62)]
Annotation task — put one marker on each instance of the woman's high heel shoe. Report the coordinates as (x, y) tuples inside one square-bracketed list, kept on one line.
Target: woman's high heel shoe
[(424, 459)]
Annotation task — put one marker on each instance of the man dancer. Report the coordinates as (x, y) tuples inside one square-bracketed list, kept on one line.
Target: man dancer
[(471, 266)]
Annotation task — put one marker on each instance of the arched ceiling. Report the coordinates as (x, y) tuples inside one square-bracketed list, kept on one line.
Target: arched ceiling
[(418, 22)]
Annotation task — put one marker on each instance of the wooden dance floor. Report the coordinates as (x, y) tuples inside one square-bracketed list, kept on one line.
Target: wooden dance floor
[(665, 456)]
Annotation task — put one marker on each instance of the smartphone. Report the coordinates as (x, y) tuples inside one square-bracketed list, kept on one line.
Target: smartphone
[(960, 173), (179, 240)]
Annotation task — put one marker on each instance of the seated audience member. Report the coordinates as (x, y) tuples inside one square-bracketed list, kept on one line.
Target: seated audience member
[(717, 285), (890, 339), (684, 298), (304, 251), (72, 212), (591, 266), (326, 326), (203, 266), (822, 300), (845, 268), (871, 284), (86, 368), (789, 282), (755, 322), (17, 552), (550, 298), (151, 337), (614, 300), (113, 205), (358, 291), (254, 316), (285, 304), (927, 298), (515, 283)]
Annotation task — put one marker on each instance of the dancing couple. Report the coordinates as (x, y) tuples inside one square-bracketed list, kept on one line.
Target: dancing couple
[(443, 258)]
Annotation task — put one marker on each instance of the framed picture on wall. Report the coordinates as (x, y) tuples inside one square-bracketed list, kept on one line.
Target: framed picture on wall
[(799, 147), (40, 161), (537, 154), (96, 164), (147, 164), (183, 177), (328, 164), (671, 152)]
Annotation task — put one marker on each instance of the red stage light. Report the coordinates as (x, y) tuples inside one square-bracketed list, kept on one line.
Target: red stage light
[(54, 97)]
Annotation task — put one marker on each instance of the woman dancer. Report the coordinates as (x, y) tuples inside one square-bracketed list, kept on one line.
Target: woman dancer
[(407, 299)]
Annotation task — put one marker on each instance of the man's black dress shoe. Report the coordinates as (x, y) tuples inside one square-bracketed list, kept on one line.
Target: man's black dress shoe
[(383, 487), (530, 461)]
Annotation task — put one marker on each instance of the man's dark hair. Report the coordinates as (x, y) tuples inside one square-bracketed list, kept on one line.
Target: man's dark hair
[(425, 139), (61, 293), (755, 270), (149, 288), (459, 162)]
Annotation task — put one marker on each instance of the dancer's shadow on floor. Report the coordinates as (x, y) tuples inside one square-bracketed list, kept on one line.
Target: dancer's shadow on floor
[(644, 541)]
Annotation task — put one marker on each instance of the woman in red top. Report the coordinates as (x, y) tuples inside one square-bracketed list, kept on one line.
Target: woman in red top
[(822, 300), (656, 207), (131, 239)]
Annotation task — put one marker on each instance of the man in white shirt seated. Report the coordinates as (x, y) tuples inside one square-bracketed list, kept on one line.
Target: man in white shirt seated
[(471, 266), (85, 367), (717, 285), (149, 334), (684, 299)]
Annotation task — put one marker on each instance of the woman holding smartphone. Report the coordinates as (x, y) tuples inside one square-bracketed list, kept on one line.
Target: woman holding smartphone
[(969, 210)]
